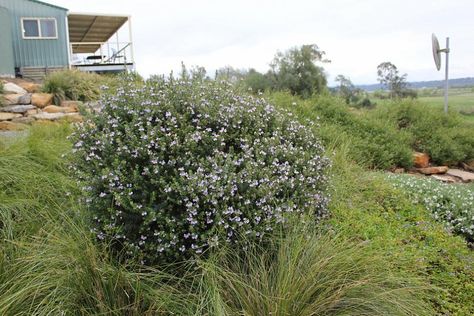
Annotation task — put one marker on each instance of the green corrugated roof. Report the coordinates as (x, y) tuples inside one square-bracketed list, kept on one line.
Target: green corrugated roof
[(48, 4)]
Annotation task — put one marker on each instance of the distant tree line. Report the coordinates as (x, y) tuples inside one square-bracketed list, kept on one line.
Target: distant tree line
[(299, 71)]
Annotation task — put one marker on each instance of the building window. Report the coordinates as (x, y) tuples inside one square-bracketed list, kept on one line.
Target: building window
[(39, 28)]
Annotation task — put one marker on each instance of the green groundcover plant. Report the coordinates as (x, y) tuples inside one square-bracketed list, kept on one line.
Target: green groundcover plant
[(180, 166), (450, 204)]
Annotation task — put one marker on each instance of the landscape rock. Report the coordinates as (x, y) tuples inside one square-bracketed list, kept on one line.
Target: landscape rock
[(6, 116), (11, 88), (59, 109), (74, 117), (16, 108), (433, 170), (421, 160), (12, 126), (30, 87), (465, 176), (23, 119), (445, 178), (25, 99), (48, 116), (469, 165), (32, 111), (11, 99), (41, 100), (71, 104)]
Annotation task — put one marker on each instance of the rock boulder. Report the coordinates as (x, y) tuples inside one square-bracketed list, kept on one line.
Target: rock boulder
[(11, 88), (6, 116), (25, 99), (463, 175), (12, 98), (17, 108), (59, 109), (48, 116), (12, 126), (30, 87), (41, 100), (71, 104), (421, 160), (433, 170)]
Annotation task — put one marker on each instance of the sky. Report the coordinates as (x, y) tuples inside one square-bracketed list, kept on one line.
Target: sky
[(356, 35)]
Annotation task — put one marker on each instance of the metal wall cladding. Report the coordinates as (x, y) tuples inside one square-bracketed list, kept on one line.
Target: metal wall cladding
[(37, 52), (7, 61)]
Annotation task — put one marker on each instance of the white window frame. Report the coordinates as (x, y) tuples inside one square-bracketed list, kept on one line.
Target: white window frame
[(39, 28)]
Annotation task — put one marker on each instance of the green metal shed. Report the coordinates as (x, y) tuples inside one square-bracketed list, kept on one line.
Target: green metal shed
[(37, 39)]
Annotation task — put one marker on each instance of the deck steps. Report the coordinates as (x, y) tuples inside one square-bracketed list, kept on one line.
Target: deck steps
[(38, 73)]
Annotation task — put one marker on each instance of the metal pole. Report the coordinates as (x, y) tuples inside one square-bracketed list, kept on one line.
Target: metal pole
[(131, 42), (446, 85)]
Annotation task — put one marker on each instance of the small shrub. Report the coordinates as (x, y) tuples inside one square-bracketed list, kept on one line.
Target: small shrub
[(448, 139), (73, 85), (365, 103), (179, 166)]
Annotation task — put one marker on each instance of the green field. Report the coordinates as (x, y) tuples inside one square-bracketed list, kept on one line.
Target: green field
[(459, 99)]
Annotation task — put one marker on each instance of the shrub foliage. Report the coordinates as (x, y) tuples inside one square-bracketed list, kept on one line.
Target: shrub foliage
[(448, 139), (179, 166)]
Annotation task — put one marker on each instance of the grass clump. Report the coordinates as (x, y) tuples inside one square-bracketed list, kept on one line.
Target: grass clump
[(74, 85), (308, 273)]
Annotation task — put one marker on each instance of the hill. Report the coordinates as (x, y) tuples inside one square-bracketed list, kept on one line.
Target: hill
[(453, 83)]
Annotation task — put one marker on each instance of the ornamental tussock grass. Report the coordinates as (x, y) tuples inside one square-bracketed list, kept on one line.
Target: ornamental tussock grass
[(308, 272), (74, 85)]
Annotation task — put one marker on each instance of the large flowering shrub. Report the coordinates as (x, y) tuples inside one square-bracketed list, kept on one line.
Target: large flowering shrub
[(177, 166), (452, 204)]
